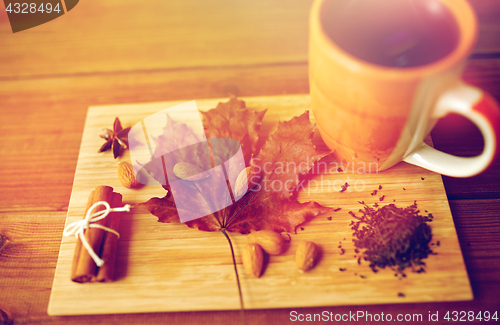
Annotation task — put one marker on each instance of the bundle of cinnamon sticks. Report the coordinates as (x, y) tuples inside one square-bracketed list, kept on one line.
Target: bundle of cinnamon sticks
[(103, 243)]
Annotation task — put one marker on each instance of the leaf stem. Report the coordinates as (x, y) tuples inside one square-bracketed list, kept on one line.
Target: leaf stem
[(242, 308)]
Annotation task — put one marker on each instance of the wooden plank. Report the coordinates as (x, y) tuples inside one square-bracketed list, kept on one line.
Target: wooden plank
[(121, 35), (28, 260), (169, 267), (37, 240), (43, 119), (479, 238), (488, 12), (484, 73)]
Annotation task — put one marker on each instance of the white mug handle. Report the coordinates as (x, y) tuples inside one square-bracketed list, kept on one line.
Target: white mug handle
[(484, 112)]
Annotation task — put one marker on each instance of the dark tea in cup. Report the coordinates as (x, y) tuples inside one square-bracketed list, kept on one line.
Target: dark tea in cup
[(394, 33)]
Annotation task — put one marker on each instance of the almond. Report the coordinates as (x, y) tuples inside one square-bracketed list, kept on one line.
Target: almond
[(306, 255), (189, 172), (270, 241), (126, 175), (253, 259), (246, 180)]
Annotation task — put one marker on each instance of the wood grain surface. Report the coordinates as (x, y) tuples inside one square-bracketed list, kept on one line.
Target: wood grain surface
[(174, 268), (117, 52)]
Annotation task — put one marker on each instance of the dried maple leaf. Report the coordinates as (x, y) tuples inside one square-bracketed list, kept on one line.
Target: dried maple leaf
[(272, 204), (232, 120)]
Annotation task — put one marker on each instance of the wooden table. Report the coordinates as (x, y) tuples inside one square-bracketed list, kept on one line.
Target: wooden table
[(112, 52)]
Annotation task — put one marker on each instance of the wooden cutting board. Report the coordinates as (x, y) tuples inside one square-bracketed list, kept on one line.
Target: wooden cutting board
[(170, 267)]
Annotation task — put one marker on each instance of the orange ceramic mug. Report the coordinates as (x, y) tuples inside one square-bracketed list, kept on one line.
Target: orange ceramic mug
[(382, 72)]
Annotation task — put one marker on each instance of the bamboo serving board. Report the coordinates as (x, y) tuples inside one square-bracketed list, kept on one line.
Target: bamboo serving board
[(170, 267)]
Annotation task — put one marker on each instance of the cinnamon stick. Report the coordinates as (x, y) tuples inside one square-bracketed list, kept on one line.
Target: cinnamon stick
[(110, 243), (85, 270), (78, 248)]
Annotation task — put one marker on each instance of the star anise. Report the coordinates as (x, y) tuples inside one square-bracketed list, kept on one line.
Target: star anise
[(115, 139)]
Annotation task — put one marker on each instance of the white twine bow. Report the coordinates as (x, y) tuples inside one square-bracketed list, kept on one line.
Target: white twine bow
[(77, 228)]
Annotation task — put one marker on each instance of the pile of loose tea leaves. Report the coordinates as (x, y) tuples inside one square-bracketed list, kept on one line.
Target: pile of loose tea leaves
[(393, 237)]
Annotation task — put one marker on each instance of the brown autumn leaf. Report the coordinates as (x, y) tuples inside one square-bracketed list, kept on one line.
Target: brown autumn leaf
[(232, 120), (272, 204)]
